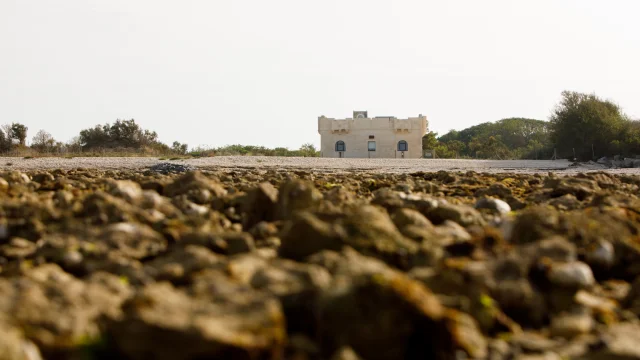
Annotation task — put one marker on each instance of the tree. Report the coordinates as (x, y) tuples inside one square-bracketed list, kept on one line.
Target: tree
[(96, 137), (74, 145), (179, 148), (430, 140), (489, 147), (308, 150), (5, 142), (19, 132), (121, 134), (508, 137), (581, 121), (456, 147), (6, 128), (43, 141)]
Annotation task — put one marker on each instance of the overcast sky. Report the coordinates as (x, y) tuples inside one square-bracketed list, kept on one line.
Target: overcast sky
[(216, 72)]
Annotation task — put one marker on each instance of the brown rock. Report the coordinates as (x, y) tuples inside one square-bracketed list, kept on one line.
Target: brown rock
[(165, 323), (60, 312), (294, 196), (384, 316), (259, 204), (194, 181), (461, 214)]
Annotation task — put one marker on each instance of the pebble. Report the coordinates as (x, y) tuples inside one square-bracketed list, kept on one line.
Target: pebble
[(497, 205), (573, 275), (602, 254), (572, 325)]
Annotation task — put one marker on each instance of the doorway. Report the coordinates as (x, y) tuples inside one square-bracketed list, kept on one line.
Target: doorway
[(371, 147)]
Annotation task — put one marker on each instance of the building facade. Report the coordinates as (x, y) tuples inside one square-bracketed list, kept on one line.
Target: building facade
[(378, 137)]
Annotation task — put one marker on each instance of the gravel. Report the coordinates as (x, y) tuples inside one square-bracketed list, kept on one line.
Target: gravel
[(315, 164)]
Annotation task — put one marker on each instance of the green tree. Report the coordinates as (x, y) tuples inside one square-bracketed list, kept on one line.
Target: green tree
[(490, 147), (430, 140), (581, 121), (456, 146), (179, 148), (121, 134), (308, 150), (19, 132)]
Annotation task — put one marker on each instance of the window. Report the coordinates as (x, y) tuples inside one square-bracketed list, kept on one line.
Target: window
[(372, 146), (340, 146), (403, 146), (371, 137)]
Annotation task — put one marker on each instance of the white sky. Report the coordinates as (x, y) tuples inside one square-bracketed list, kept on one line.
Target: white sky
[(216, 72)]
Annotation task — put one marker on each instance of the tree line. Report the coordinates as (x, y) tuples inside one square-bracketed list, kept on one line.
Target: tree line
[(122, 137), (581, 126)]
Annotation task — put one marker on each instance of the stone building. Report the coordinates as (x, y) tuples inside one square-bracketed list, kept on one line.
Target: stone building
[(378, 137)]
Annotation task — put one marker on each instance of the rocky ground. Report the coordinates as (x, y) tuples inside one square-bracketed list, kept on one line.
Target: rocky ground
[(396, 166), (172, 263)]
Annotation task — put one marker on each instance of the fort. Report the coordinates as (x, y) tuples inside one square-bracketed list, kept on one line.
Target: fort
[(379, 137)]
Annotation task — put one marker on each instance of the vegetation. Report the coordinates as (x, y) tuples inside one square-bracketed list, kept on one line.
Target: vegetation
[(590, 126), (512, 138), (581, 123), (306, 150), (123, 138), (123, 134)]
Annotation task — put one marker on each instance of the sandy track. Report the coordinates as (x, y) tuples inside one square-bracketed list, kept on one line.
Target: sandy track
[(315, 164)]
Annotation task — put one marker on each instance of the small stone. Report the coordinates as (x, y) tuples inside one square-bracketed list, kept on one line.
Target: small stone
[(619, 341), (13, 346), (345, 353), (125, 189), (294, 196), (534, 342), (260, 204), (467, 336), (498, 349), (194, 181), (571, 325), (565, 202), (461, 214), (601, 254), (405, 217), (18, 248), (496, 205), (405, 188), (238, 242), (72, 258), (4, 185), (4, 230), (64, 198), (549, 355), (575, 274), (454, 231), (557, 248)]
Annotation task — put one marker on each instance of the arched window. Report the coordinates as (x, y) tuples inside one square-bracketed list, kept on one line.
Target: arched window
[(340, 146), (403, 146)]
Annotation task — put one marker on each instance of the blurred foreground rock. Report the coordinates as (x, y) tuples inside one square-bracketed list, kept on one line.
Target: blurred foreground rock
[(285, 264)]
